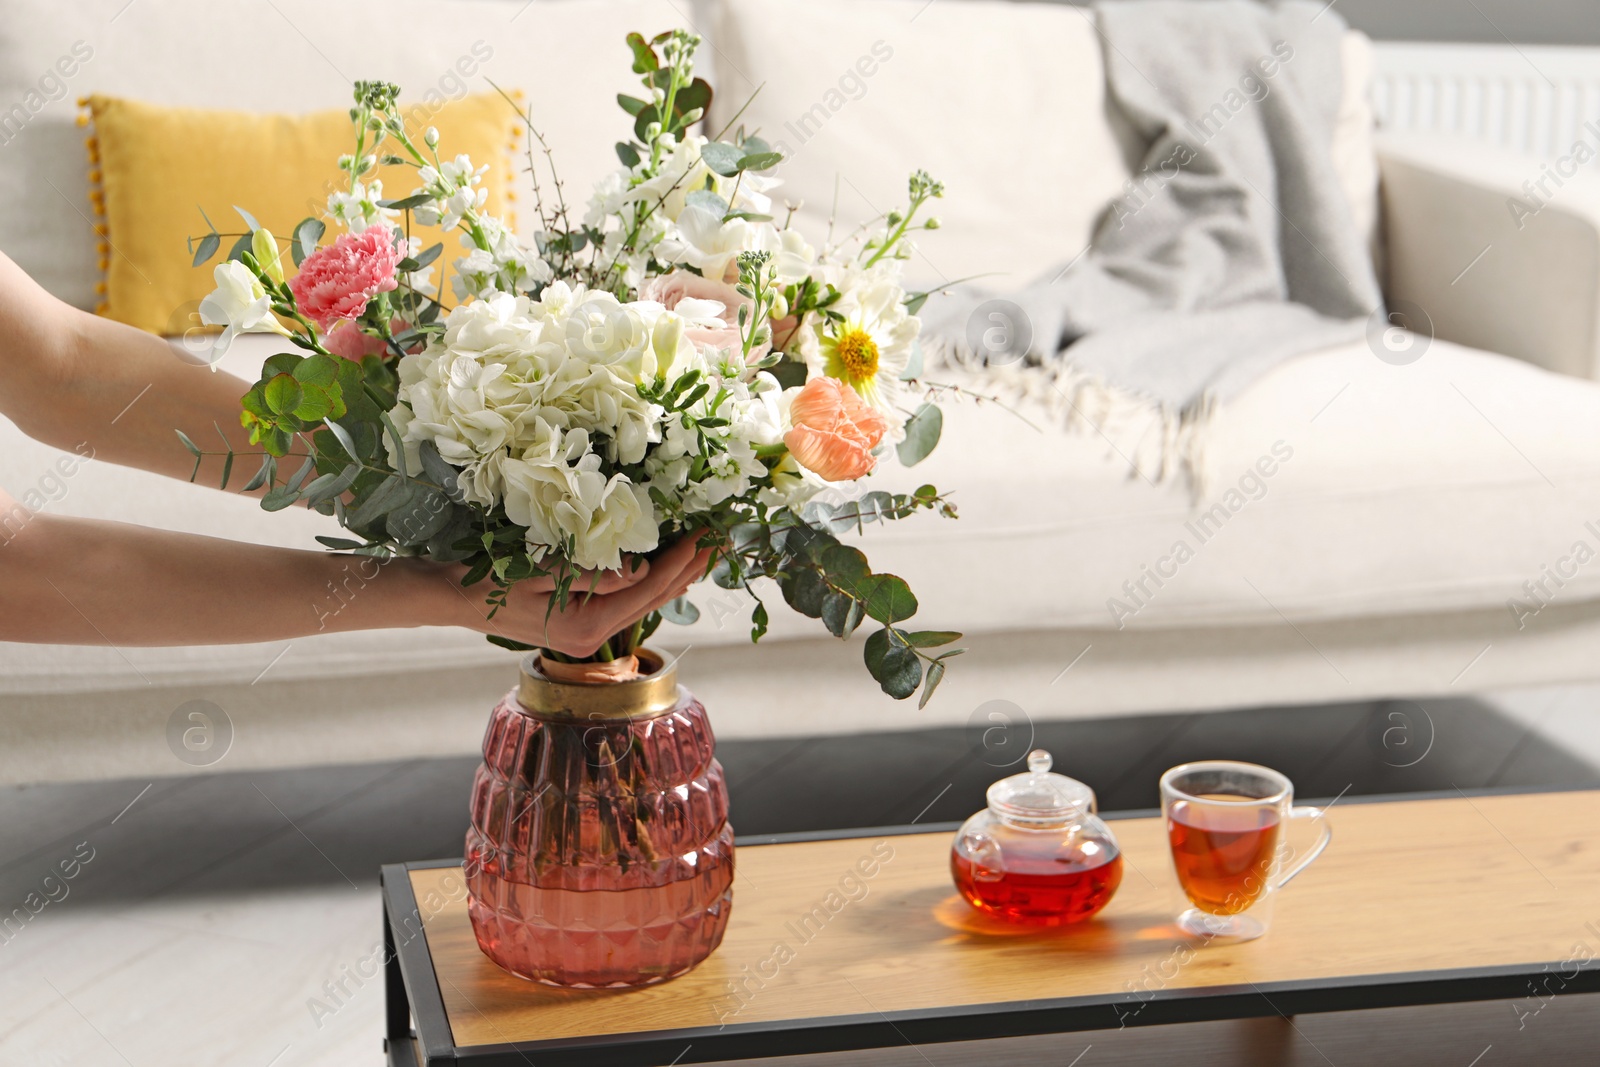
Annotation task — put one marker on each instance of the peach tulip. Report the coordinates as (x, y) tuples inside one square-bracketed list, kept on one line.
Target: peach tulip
[(834, 431)]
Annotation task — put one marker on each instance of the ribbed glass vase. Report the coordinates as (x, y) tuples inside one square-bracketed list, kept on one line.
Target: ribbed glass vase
[(599, 854)]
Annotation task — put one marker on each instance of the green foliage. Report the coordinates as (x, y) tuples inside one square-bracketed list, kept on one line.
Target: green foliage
[(295, 394), (922, 435)]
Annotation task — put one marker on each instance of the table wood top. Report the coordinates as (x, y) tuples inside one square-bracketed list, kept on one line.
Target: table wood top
[(1407, 886)]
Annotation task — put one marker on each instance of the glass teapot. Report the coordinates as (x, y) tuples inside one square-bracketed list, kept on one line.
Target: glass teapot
[(1038, 853)]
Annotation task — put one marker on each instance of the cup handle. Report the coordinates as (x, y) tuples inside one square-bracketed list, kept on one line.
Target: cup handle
[(1307, 812)]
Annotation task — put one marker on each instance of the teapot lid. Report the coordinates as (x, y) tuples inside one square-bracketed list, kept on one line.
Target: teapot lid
[(1040, 795)]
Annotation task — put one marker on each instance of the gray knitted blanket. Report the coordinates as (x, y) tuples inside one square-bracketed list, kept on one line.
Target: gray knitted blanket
[(1236, 249)]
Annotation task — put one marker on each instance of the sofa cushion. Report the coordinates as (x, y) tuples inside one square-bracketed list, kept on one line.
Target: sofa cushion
[(165, 170), (1340, 487), (1004, 102), (568, 56)]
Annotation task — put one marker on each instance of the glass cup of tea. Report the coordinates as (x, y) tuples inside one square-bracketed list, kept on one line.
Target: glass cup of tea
[(1226, 825)]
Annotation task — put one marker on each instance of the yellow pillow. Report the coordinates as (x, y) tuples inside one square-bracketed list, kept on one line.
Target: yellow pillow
[(152, 169)]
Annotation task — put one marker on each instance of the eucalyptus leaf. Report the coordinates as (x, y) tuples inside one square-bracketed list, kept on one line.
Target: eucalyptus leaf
[(240, 247), (644, 57), (399, 444), (887, 598), (306, 470), (429, 255), (425, 513), (407, 203), (935, 676), (249, 219), (279, 498), (262, 476), (378, 503), (442, 546), (722, 158), (803, 591), (760, 160), (900, 672), (681, 611), (922, 435), (707, 200), (445, 476), (342, 544), (342, 435), (306, 236), (931, 638), (208, 248), (194, 449), (846, 566), (841, 613), (628, 154), (328, 486)]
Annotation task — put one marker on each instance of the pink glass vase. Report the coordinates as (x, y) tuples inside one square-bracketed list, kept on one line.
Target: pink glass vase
[(599, 853)]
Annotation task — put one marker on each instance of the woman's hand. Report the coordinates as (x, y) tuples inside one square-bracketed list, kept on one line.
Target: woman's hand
[(619, 599)]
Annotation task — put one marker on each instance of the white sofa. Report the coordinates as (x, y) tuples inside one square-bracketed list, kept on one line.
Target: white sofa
[(1366, 528)]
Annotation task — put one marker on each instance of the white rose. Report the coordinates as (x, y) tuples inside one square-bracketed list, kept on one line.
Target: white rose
[(705, 242)]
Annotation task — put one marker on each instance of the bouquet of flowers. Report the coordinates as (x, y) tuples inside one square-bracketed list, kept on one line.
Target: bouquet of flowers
[(673, 363)]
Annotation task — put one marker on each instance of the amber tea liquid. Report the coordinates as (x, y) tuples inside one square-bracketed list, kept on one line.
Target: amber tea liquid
[(1223, 852)]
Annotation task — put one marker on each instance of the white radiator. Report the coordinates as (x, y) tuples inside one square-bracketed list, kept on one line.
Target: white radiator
[(1531, 99)]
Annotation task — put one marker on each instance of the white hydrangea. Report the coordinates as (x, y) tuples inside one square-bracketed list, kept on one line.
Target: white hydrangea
[(472, 392), (556, 489)]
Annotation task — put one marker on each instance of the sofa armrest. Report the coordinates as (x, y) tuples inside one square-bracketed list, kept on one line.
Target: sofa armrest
[(1494, 261)]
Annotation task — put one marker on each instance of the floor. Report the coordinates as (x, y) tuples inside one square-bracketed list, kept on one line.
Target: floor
[(226, 920)]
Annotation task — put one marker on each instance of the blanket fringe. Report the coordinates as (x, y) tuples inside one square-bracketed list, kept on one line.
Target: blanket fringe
[(1157, 442)]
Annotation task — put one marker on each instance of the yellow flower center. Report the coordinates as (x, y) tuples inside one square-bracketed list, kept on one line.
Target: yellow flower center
[(858, 353)]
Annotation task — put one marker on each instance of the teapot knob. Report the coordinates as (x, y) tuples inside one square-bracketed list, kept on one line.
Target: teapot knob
[(1039, 761)]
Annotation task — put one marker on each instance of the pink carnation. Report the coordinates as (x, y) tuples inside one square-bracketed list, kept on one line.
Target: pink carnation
[(336, 281), (348, 340)]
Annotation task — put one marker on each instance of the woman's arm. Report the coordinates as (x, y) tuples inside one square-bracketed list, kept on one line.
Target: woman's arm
[(67, 376), (90, 582)]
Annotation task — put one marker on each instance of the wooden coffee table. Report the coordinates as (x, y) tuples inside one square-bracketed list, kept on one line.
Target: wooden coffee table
[(858, 941)]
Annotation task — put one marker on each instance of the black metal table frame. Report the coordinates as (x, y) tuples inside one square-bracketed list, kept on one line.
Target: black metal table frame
[(412, 994)]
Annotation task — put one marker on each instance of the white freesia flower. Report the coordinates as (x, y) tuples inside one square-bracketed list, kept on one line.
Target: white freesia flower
[(556, 489), (794, 258), (239, 304), (703, 241)]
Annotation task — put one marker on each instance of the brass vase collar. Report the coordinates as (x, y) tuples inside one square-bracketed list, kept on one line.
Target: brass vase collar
[(654, 693)]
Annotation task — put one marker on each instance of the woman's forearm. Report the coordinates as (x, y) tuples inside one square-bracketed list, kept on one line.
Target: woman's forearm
[(91, 582), (69, 378), (85, 581)]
